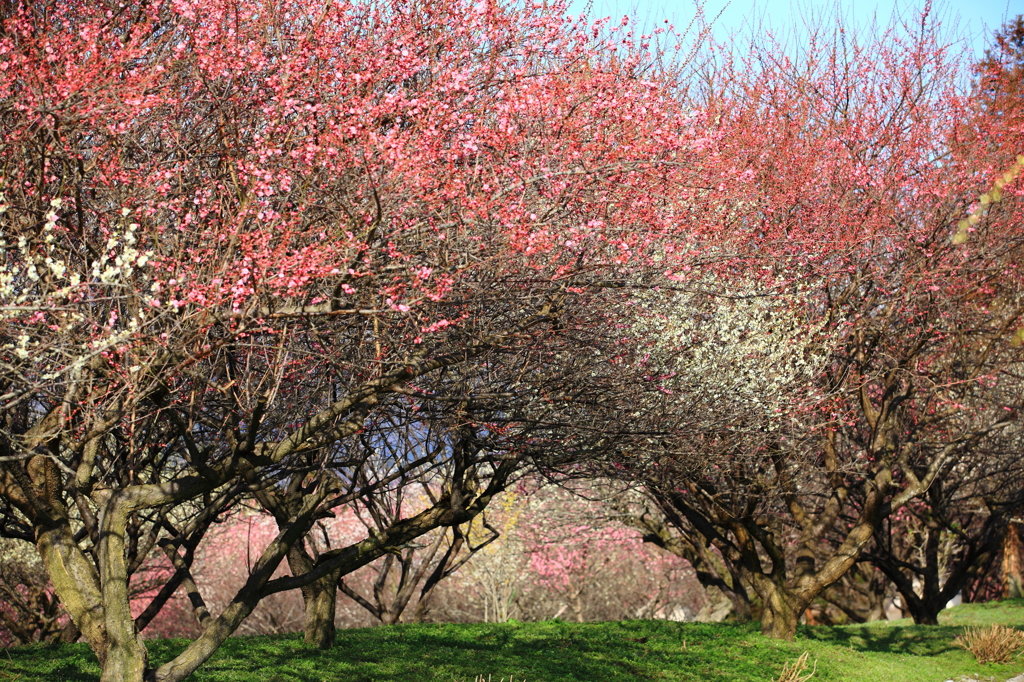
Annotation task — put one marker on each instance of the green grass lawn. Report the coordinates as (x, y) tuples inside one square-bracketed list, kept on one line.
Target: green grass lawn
[(555, 651)]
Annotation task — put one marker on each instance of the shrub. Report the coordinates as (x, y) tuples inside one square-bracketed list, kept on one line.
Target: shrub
[(996, 644)]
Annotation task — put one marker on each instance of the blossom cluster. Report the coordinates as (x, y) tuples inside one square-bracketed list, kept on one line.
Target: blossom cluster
[(46, 290), (731, 343)]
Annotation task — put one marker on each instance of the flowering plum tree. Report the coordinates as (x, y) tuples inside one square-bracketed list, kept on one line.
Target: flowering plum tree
[(860, 177), (723, 584), (946, 540), (246, 245), (560, 554), (590, 563), (1001, 73)]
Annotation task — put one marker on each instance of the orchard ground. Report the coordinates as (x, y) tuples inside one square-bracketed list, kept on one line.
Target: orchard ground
[(556, 651)]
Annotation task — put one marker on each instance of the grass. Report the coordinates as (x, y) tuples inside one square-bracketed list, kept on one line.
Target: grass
[(554, 651)]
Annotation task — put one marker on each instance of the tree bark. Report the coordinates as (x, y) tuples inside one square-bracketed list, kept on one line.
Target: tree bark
[(923, 612), (318, 599), (782, 609), (32, 489), (76, 583), (127, 658), (1013, 575)]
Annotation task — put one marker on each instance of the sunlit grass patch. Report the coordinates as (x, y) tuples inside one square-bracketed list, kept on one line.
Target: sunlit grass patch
[(554, 651)]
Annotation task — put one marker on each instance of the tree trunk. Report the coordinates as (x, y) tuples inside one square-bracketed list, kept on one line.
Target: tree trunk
[(318, 599), (319, 602), (76, 583), (781, 612), (924, 610), (127, 657), (925, 614), (1013, 576), (31, 489), (126, 661)]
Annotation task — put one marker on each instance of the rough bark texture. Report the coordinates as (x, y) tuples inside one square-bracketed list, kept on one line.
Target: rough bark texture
[(76, 583), (318, 599), (127, 658), (781, 610), (1013, 576), (33, 490)]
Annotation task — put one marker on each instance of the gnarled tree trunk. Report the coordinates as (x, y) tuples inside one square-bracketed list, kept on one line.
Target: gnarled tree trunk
[(781, 609), (318, 599)]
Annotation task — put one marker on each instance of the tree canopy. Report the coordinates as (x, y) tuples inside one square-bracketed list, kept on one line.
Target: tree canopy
[(311, 255)]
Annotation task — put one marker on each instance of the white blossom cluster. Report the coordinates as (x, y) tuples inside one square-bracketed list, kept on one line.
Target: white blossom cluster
[(41, 294), (19, 552), (732, 345)]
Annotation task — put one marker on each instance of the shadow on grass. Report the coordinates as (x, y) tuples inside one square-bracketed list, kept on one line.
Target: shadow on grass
[(632, 651), (67, 663), (916, 640), (540, 652), (554, 651)]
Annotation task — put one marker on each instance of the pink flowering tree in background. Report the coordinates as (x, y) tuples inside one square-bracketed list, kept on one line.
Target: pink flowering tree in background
[(560, 554), (515, 566), (578, 552), (224, 564), (409, 577)]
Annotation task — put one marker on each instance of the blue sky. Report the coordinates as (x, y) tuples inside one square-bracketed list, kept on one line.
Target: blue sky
[(975, 19)]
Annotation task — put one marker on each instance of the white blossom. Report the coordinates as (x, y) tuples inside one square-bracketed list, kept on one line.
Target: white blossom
[(730, 343)]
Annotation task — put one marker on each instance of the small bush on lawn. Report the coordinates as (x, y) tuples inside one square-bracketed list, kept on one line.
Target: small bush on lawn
[(996, 644)]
